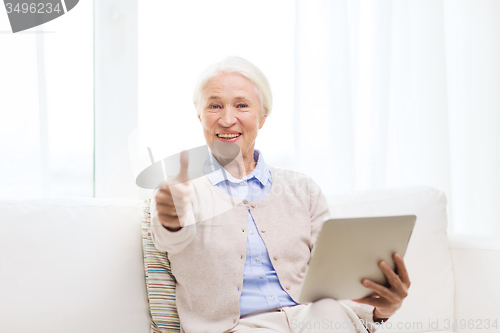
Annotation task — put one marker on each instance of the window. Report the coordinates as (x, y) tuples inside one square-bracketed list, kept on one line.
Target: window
[(46, 107)]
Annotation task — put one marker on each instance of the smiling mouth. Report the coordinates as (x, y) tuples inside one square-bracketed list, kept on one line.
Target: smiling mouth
[(228, 136)]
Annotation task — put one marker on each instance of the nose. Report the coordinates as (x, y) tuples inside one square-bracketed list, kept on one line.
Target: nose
[(227, 117)]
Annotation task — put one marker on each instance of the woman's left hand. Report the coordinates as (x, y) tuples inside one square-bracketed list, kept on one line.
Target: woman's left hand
[(388, 299)]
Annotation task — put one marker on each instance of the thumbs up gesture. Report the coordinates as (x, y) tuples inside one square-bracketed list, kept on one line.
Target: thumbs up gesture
[(174, 198)]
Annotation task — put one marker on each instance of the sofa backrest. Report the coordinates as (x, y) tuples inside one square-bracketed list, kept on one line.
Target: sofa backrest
[(431, 295), (77, 264), (72, 265)]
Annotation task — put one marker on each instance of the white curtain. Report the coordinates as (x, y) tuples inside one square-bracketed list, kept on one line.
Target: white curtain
[(46, 107), (397, 93)]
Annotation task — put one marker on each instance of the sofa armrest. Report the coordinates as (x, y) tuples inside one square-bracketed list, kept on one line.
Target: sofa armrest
[(476, 266)]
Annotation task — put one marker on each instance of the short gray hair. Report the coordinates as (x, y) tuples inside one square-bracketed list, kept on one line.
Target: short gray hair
[(240, 66)]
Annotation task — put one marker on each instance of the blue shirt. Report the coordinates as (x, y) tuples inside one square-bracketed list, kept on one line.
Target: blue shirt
[(261, 287)]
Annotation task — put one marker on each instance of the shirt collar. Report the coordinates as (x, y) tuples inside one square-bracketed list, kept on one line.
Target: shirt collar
[(216, 174)]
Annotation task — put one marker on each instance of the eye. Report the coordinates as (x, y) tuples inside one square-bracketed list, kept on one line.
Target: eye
[(214, 106), (242, 105)]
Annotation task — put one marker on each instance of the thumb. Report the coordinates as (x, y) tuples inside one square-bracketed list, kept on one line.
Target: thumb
[(182, 177)]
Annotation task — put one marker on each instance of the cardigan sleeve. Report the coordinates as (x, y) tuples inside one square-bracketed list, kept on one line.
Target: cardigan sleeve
[(364, 312), (318, 209)]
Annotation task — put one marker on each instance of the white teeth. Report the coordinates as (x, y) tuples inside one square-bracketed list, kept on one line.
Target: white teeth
[(228, 136)]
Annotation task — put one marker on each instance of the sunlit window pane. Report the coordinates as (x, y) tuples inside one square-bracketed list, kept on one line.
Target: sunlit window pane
[(46, 74)]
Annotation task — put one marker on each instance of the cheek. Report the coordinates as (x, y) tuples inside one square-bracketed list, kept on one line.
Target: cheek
[(251, 123), (207, 122)]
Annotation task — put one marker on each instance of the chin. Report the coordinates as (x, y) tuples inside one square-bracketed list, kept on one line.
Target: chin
[(226, 150)]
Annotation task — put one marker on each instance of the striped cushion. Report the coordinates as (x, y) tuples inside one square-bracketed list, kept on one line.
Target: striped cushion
[(159, 281)]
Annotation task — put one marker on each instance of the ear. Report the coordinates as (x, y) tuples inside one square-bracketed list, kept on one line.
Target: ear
[(199, 115), (262, 121)]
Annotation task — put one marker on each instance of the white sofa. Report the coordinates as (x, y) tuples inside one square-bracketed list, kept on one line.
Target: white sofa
[(76, 265)]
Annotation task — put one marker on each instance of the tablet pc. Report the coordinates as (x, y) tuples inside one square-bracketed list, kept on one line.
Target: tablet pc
[(348, 250)]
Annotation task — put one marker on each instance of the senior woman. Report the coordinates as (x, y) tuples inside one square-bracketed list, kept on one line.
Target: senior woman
[(240, 269)]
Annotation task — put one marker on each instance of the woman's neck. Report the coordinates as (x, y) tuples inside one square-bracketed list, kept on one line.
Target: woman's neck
[(241, 165)]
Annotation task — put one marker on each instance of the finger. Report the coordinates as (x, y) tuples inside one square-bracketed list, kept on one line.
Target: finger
[(401, 269), (393, 279), (376, 302), (162, 185), (365, 300), (379, 289), (167, 204), (182, 177), (164, 197), (391, 276), (163, 189), (169, 211)]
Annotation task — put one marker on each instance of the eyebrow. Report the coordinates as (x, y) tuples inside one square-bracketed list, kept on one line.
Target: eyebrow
[(239, 98)]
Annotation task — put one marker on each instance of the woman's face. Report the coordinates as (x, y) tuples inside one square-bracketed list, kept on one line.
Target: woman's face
[(231, 111)]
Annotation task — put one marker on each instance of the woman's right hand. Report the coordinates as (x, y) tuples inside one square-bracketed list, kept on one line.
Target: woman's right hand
[(174, 197)]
